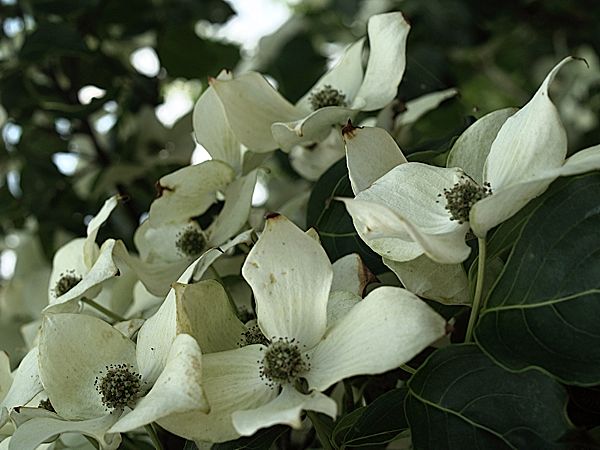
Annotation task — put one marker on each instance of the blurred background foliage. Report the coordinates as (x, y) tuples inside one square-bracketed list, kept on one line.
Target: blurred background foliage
[(95, 95)]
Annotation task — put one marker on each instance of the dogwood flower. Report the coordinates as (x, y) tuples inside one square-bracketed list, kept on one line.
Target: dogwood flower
[(89, 370), (258, 385), (80, 267), (415, 209), (170, 239), (262, 120), (370, 154)]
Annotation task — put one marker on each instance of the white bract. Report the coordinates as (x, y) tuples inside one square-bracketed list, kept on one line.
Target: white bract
[(298, 339), (415, 209), (5, 383), (80, 266), (170, 239), (89, 370), (261, 119), (370, 154)]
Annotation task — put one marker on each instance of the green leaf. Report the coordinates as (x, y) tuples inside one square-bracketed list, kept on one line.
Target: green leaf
[(63, 7), (52, 39), (544, 309), (506, 234), (184, 54), (323, 426), (460, 399), (431, 157), (262, 440), (330, 218), (376, 424), (344, 424)]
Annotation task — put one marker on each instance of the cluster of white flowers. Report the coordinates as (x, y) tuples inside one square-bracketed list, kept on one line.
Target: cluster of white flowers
[(128, 339)]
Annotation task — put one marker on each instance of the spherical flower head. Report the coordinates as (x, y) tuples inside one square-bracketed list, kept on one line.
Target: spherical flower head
[(65, 283), (462, 196), (283, 362), (190, 242), (119, 386), (327, 96)]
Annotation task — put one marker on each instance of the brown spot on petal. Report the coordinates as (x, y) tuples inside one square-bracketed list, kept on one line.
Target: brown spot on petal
[(272, 215), (160, 189), (365, 277), (398, 107), (348, 132), (579, 58), (123, 197), (272, 278)]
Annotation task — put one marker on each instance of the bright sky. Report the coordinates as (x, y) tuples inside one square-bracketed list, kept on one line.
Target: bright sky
[(255, 19)]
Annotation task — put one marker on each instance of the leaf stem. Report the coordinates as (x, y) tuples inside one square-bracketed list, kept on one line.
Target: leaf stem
[(478, 290), (408, 369), (102, 309), (153, 436)]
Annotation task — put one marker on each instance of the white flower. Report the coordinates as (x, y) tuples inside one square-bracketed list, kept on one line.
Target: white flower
[(415, 209), (256, 386), (170, 239), (89, 370), (5, 383), (253, 113), (81, 269)]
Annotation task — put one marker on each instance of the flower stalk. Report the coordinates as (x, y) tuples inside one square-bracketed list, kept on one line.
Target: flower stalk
[(102, 309), (476, 306), (151, 430)]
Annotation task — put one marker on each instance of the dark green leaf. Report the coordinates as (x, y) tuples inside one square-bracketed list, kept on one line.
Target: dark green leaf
[(544, 309), (584, 405), (431, 157), (262, 440), (460, 399), (344, 424), (184, 54), (375, 424), (323, 427), (190, 445), (332, 221), (52, 39), (62, 7), (507, 234), (297, 65)]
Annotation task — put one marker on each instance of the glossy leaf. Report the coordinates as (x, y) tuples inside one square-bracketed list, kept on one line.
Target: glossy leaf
[(460, 399), (259, 441), (543, 310), (375, 424)]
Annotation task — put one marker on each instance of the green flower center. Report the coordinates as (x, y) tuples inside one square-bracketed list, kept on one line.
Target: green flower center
[(283, 362), (119, 386), (66, 282), (253, 335), (327, 96), (463, 195), (190, 242)]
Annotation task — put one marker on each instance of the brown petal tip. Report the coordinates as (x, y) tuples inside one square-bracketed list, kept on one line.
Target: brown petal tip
[(349, 129)]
